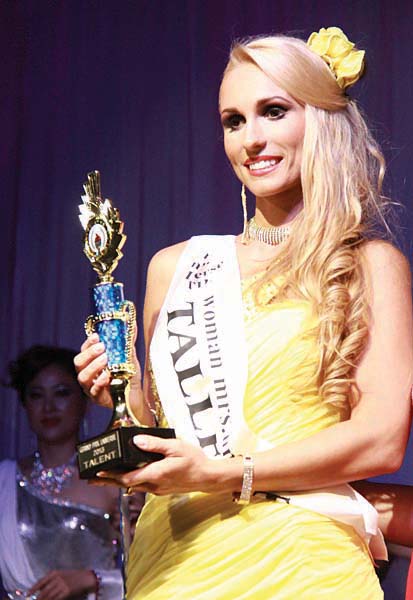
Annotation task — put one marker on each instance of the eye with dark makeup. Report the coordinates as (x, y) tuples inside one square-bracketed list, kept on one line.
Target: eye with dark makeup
[(232, 121), (275, 111), (33, 395), (63, 391)]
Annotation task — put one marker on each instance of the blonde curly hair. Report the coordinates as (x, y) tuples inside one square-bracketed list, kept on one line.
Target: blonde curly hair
[(341, 175)]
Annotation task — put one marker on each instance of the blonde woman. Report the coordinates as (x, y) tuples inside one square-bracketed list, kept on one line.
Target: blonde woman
[(282, 357)]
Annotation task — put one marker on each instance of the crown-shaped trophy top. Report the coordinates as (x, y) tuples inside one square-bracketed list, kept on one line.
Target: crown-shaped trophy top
[(103, 237)]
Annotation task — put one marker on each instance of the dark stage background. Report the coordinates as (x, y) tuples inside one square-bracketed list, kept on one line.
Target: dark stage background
[(130, 88)]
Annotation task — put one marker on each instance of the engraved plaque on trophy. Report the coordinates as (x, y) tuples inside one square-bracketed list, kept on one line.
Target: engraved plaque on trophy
[(113, 319)]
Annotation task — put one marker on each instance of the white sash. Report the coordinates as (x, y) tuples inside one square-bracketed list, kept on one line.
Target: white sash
[(199, 359), (200, 379), (15, 568)]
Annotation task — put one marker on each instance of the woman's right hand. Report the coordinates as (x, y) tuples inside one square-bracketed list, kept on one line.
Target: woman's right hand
[(90, 364), (64, 584)]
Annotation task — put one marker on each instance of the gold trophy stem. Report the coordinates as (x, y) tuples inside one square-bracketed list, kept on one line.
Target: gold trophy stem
[(119, 391)]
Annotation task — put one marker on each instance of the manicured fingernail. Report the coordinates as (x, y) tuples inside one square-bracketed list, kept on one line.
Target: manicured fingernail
[(140, 440), (103, 359), (100, 474)]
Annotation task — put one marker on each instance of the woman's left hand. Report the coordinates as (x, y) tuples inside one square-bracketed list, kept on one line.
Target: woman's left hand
[(185, 468)]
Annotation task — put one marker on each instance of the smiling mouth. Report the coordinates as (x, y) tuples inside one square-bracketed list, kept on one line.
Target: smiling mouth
[(50, 421), (263, 165)]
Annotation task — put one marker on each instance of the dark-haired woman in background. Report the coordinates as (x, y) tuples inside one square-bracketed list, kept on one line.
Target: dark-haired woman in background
[(56, 537)]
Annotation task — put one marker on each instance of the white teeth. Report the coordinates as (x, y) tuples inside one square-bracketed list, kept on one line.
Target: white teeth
[(262, 164)]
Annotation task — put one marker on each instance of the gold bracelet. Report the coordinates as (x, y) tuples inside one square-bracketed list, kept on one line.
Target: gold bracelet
[(247, 479)]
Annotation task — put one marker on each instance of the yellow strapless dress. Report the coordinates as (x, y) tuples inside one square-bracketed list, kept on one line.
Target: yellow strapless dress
[(204, 547)]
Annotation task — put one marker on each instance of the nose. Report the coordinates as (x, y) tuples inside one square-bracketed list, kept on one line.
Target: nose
[(49, 402), (254, 140)]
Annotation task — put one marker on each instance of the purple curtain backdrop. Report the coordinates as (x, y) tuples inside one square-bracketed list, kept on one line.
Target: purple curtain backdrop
[(130, 88)]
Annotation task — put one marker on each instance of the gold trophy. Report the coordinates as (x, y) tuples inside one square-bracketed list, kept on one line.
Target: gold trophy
[(113, 319)]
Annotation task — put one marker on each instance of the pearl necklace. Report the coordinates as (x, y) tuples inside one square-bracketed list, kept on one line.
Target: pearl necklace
[(272, 235), (51, 480)]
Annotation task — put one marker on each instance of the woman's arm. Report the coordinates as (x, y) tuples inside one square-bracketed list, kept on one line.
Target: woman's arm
[(92, 360), (371, 442), (160, 272)]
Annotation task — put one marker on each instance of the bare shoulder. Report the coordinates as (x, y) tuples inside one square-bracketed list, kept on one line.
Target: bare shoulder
[(164, 262), (160, 272), (102, 497), (384, 264), (382, 253), (110, 495)]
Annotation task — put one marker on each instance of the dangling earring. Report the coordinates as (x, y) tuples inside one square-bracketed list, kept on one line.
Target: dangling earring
[(244, 237)]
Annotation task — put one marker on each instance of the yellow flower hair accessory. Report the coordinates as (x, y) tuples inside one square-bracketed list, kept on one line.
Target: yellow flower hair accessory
[(344, 60)]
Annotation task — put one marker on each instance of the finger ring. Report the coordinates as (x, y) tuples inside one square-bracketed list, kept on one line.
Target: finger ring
[(129, 491)]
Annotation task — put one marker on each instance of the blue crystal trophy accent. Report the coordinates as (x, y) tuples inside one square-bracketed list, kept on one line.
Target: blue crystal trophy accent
[(113, 319), (113, 316)]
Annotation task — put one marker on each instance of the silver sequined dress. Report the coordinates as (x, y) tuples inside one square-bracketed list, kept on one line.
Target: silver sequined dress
[(59, 534)]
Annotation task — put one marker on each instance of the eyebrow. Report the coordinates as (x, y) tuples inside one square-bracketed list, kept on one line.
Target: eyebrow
[(259, 103), (53, 387)]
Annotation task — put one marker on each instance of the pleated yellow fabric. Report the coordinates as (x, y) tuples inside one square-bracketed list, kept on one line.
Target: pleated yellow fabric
[(205, 547)]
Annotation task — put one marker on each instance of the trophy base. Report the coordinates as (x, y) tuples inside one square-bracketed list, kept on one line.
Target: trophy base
[(114, 450)]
